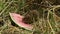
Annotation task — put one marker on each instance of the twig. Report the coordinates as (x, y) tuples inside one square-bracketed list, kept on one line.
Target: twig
[(49, 22)]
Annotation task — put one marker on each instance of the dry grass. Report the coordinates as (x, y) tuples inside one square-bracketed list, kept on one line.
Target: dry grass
[(46, 18)]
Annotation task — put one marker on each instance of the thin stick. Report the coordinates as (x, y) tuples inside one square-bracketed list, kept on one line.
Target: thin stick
[(49, 22)]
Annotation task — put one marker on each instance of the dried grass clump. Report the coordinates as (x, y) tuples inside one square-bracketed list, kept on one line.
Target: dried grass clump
[(47, 16)]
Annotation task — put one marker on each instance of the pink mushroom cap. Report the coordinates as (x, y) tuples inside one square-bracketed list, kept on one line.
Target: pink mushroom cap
[(18, 19)]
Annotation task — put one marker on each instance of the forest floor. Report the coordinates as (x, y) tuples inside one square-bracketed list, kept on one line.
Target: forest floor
[(46, 16)]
